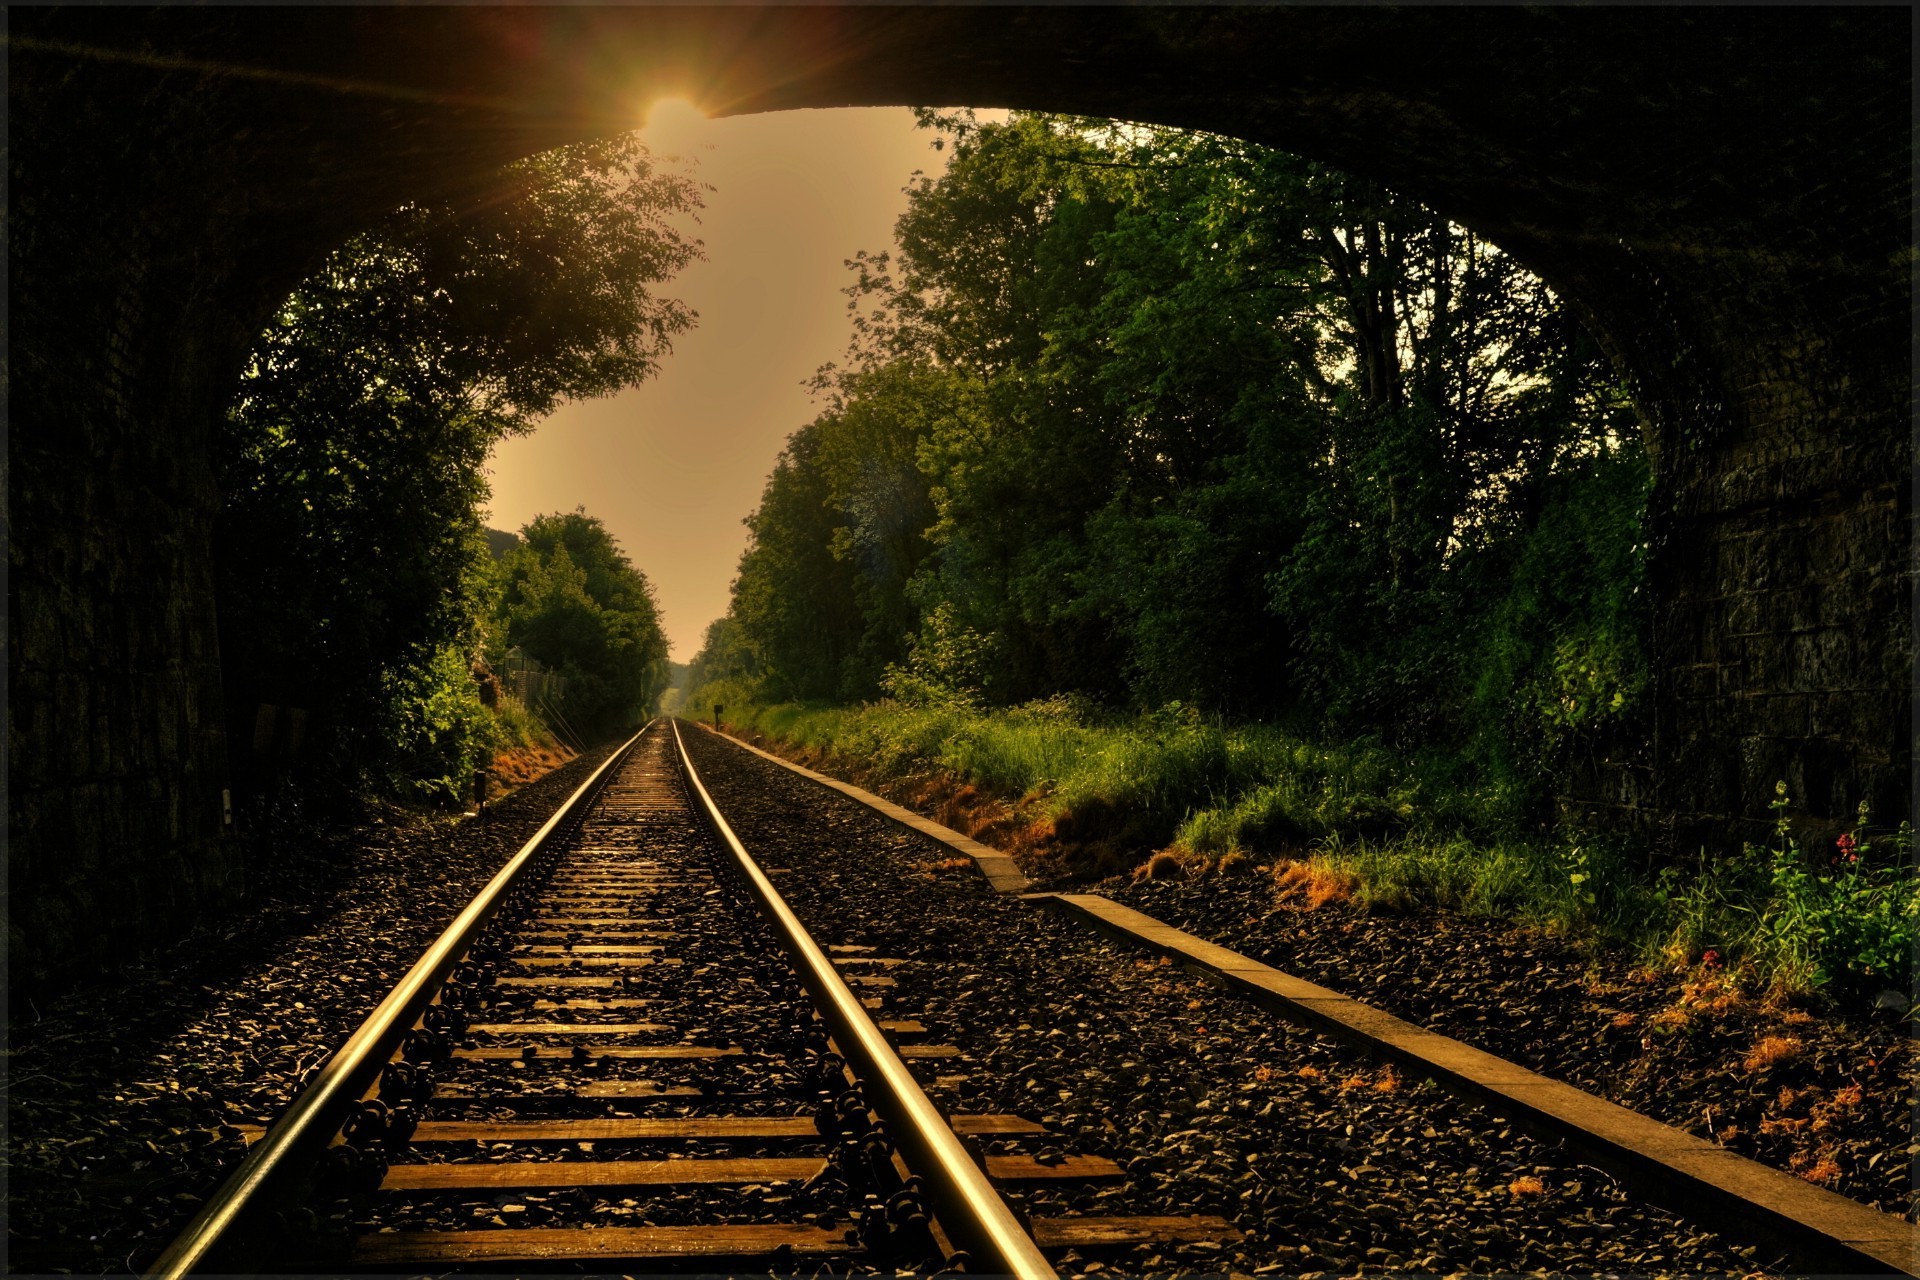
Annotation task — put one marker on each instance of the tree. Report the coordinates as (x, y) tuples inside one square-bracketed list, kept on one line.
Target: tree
[(348, 548), (1200, 421), (572, 601)]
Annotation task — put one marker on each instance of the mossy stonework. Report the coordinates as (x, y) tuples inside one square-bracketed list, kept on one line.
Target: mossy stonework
[(1723, 192)]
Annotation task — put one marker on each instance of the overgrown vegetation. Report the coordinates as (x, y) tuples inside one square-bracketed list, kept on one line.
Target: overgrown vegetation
[(1147, 417), (354, 580), (1184, 494), (570, 598), (1084, 793)]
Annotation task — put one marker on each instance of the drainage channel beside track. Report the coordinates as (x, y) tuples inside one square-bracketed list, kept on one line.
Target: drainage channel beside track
[(627, 1056)]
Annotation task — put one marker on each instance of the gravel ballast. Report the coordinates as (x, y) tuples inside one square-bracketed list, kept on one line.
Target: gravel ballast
[(721, 981), (119, 1092), (1826, 1099), (1327, 1163)]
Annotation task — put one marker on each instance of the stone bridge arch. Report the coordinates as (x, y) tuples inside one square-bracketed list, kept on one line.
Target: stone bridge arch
[(1724, 191)]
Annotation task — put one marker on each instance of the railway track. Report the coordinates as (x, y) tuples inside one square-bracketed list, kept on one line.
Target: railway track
[(627, 1054)]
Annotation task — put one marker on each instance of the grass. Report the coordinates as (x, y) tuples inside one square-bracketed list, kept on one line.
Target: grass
[(1172, 794), (517, 728)]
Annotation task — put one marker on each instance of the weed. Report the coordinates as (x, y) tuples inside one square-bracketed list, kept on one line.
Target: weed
[(1816, 1166), (1711, 994), (1525, 1186), (1314, 884), (1164, 865), (1771, 1052)]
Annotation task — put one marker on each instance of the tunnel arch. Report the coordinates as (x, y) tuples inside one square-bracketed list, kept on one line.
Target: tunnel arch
[(1724, 192)]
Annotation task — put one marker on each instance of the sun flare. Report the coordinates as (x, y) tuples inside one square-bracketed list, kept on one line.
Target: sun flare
[(672, 115)]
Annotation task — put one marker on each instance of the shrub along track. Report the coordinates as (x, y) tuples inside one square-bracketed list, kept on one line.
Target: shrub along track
[(1325, 1163)]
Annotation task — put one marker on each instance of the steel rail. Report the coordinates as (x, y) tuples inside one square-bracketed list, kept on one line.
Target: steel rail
[(230, 1233), (968, 1206)]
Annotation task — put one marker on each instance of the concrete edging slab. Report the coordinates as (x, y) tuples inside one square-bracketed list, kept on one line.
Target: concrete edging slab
[(1823, 1230)]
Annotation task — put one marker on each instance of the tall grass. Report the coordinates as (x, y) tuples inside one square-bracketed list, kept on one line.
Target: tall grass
[(1404, 833), (1215, 787), (515, 727)]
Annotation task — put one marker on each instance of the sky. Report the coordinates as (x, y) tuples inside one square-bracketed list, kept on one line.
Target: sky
[(673, 466)]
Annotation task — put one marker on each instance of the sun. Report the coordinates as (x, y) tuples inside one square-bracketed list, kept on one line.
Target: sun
[(672, 115)]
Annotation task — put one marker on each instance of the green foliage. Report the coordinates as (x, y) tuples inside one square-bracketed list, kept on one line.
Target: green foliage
[(439, 730), (1851, 924), (1147, 417), (352, 570), (571, 600), (515, 727)]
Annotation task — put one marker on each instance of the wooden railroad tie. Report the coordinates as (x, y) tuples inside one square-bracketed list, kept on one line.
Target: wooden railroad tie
[(559, 1053), (735, 1171), (745, 1242)]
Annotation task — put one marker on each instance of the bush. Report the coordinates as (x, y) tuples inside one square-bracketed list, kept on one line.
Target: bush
[(439, 732)]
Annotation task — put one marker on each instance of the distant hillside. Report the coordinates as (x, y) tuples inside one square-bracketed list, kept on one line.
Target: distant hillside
[(501, 543)]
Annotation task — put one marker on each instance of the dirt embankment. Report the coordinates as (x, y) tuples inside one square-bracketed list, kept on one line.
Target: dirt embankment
[(514, 769)]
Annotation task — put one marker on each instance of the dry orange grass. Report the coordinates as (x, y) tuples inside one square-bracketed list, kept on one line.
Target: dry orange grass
[(1711, 995), (1817, 1166), (1526, 1186), (1312, 1073), (1313, 885), (1232, 863), (1789, 1095), (1164, 865), (1772, 1051), (1624, 1020), (1831, 1112), (518, 767), (1389, 1081), (957, 806), (1354, 1082), (1670, 1019)]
